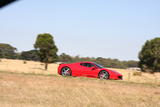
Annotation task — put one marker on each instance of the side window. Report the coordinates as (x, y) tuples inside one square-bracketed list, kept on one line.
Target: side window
[(87, 64), (83, 64), (90, 65)]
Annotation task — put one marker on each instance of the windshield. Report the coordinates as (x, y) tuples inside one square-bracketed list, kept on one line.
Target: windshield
[(99, 66)]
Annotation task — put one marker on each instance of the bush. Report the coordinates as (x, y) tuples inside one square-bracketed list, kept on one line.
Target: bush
[(24, 62), (137, 74)]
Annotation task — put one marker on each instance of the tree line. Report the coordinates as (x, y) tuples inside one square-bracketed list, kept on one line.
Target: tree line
[(45, 51), (106, 62), (32, 55)]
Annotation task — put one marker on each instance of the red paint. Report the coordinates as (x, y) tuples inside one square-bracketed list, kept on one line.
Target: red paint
[(78, 70)]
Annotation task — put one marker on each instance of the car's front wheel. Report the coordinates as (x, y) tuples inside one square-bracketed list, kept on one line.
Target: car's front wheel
[(66, 71), (103, 75)]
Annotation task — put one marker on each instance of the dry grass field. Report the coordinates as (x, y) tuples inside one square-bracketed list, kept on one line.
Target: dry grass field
[(20, 90), (18, 66), (20, 86)]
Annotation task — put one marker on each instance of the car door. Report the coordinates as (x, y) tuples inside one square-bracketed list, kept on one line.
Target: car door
[(88, 70)]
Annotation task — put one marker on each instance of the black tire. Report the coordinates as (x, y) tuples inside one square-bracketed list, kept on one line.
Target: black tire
[(103, 75), (66, 71)]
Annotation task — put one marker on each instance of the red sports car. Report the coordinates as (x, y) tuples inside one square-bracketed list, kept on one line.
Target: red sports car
[(88, 69)]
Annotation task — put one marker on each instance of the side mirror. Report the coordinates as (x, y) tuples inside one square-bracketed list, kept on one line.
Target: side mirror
[(93, 68)]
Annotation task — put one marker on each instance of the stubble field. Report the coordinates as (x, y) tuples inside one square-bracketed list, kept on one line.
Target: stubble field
[(29, 85)]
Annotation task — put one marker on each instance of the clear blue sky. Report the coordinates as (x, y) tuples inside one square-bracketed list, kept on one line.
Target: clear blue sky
[(94, 28)]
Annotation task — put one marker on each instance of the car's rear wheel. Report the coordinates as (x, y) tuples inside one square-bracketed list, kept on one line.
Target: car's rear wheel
[(103, 75), (66, 71)]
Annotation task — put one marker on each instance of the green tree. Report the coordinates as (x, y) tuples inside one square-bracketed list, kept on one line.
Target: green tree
[(65, 58), (30, 55), (132, 63), (150, 56), (47, 50), (7, 51)]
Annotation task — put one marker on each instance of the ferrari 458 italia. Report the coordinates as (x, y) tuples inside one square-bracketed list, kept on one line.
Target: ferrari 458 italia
[(88, 69)]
